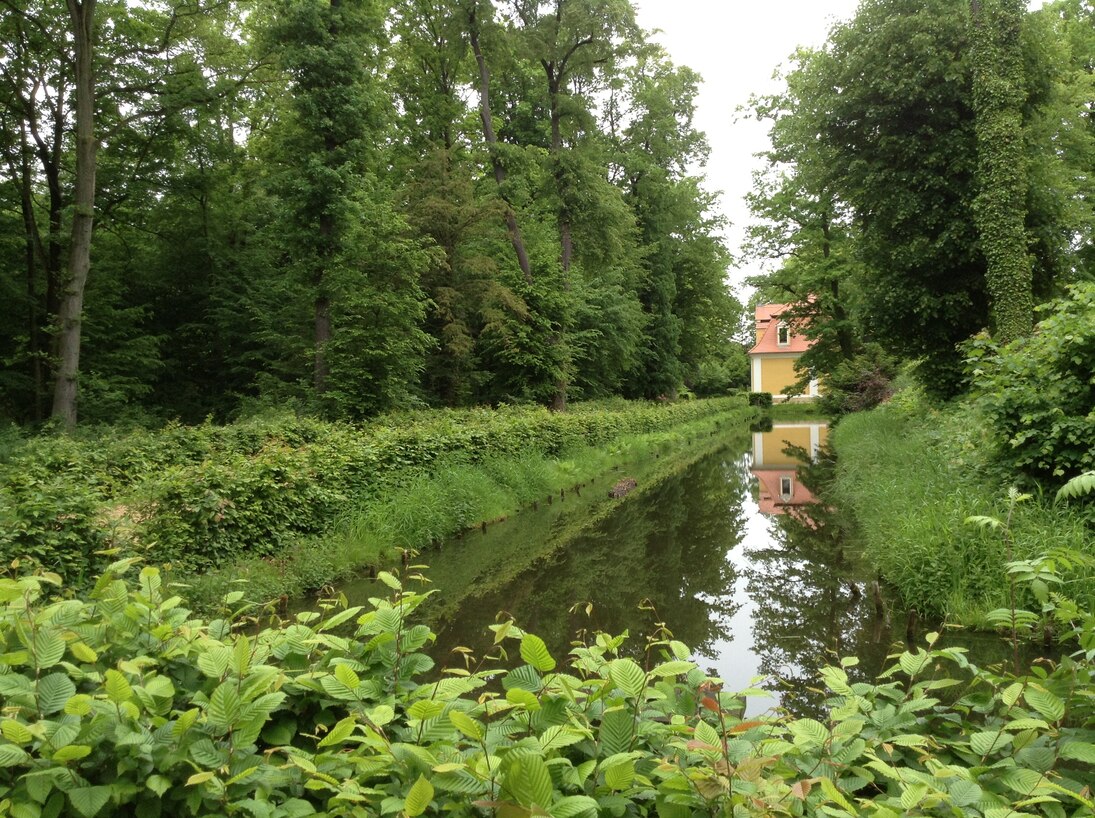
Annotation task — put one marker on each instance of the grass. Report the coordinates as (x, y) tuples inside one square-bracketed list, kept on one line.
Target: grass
[(911, 476), (434, 504), (796, 411)]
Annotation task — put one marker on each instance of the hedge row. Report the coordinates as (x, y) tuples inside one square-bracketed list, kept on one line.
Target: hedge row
[(201, 496)]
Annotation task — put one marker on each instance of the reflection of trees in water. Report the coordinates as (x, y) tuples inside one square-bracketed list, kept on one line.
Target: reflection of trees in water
[(668, 545), (810, 605)]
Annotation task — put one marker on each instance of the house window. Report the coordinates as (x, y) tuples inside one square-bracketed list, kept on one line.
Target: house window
[(785, 492), (783, 335)]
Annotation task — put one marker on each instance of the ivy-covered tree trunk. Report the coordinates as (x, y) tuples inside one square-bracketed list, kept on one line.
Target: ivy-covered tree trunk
[(1000, 206), (82, 14)]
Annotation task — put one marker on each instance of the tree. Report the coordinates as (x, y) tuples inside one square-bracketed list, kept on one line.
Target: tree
[(999, 91), (340, 234), (801, 222)]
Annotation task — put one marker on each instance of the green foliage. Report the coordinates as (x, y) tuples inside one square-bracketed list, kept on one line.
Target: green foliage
[(202, 496), (127, 702), (763, 400), (859, 383), (1037, 394), (910, 475), (999, 95)]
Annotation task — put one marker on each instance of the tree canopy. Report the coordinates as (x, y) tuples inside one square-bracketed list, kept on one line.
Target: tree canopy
[(350, 206)]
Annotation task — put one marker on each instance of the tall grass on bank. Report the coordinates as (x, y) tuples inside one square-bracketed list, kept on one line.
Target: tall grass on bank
[(911, 476), (434, 504)]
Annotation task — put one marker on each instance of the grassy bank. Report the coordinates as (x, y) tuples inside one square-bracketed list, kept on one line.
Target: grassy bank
[(436, 503), (197, 498), (911, 475)]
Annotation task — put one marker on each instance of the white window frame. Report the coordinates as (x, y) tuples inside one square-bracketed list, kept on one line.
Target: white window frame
[(783, 331), (786, 488)]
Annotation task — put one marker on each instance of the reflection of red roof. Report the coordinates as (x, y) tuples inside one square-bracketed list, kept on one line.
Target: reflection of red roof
[(767, 340), (770, 500)]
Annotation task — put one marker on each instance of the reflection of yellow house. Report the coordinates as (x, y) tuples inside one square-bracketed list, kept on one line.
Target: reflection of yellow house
[(776, 471), (773, 357)]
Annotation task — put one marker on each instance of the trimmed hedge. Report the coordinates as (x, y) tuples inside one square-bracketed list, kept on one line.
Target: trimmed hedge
[(201, 496)]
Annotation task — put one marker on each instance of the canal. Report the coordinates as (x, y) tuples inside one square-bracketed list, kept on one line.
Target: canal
[(728, 550)]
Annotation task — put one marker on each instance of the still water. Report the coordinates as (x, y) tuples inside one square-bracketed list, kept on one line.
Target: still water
[(730, 552)]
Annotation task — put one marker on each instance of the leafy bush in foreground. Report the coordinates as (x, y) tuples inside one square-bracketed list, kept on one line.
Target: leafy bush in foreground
[(127, 705)]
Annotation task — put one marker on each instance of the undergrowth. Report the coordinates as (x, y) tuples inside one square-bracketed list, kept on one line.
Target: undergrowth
[(431, 505), (911, 475), (207, 496)]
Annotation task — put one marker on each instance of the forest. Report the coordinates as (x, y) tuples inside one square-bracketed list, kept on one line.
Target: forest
[(349, 207), (294, 290)]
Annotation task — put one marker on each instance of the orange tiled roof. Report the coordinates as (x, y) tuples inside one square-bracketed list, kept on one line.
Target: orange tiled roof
[(767, 324), (769, 499)]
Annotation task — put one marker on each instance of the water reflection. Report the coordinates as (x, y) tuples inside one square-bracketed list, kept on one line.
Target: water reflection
[(777, 454), (751, 572)]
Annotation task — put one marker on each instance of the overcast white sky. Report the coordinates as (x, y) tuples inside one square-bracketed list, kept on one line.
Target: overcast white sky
[(736, 46)]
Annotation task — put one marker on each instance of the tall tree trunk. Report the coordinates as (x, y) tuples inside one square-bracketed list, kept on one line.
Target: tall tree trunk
[(70, 313), (322, 330), (566, 242), (514, 230), (1000, 210), (32, 248)]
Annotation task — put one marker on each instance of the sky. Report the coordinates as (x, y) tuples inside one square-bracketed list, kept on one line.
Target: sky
[(736, 47)]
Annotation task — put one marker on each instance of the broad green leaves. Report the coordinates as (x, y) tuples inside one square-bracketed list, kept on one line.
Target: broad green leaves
[(251, 728)]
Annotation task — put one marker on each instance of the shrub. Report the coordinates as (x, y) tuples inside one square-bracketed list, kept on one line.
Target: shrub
[(205, 495), (860, 383), (1037, 394), (762, 400), (127, 705)]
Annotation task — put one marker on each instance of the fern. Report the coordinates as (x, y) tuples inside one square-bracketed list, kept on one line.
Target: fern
[(1079, 486)]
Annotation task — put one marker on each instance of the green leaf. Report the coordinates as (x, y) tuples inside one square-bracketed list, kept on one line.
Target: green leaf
[(807, 732), (10, 755), (214, 662), (524, 677), (418, 797), (628, 676), (340, 732), (617, 731), (15, 732), (523, 698), (535, 652), (1046, 703), (529, 781), (72, 752), (88, 801), (425, 709), (986, 742), (224, 705), (117, 688), (345, 674), (707, 734), (572, 806), (466, 725), (674, 668), (48, 648), (1078, 751), (389, 579), (619, 776), (54, 691), (381, 714), (914, 663), (963, 793), (158, 784)]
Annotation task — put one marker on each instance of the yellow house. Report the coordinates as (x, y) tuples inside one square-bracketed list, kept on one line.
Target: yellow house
[(772, 358)]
